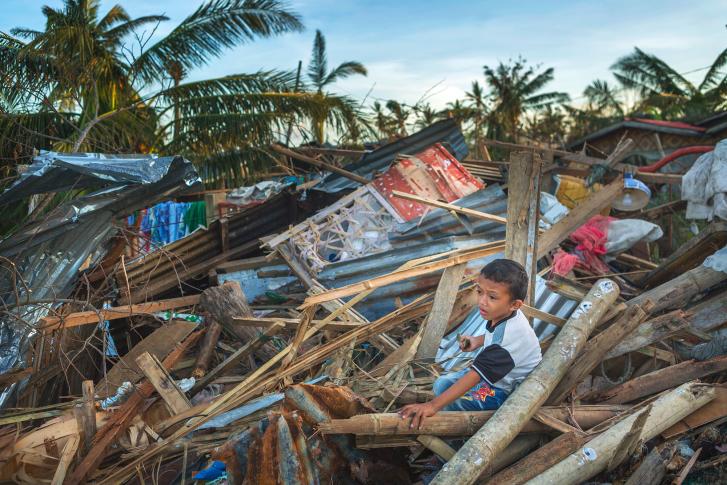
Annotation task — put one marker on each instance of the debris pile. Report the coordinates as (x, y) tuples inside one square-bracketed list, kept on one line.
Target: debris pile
[(276, 344)]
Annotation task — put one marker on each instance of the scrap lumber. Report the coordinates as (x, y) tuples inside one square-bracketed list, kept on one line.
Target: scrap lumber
[(652, 469), (403, 274), (451, 207), (578, 216), (523, 213), (163, 383), (124, 311), (207, 349), (598, 453), (66, 458), (687, 468), (677, 292), (539, 460), (319, 163), (436, 445), (292, 323), (531, 312), (659, 380), (461, 423), (160, 343), (631, 440), (435, 325), (479, 452), (596, 349), (119, 421), (519, 447)]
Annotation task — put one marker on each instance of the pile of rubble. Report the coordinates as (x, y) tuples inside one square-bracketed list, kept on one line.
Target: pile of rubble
[(276, 345)]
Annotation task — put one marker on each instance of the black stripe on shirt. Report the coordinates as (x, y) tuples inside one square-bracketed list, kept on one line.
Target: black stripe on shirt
[(493, 363)]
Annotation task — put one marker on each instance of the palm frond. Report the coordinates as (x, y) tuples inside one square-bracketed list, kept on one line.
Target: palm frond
[(318, 66), (215, 26), (115, 15), (121, 30), (715, 71), (345, 70)]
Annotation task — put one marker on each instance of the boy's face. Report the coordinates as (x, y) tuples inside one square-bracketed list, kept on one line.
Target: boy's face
[(494, 299)]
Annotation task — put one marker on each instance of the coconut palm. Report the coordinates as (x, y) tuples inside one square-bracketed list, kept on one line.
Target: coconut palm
[(425, 115), (320, 77), (399, 115), (667, 93), (81, 70), (515, 89), (477, 101)]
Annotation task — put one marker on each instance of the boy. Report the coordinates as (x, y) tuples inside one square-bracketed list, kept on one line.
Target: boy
[(511, 348)]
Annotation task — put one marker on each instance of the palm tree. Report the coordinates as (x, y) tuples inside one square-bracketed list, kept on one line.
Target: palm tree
[(477, 100), (601, 109), (382, 122), (426, 115), (399, 115), (547, 126), (80, 72), (516, 88), (321, 77), (667, 93)]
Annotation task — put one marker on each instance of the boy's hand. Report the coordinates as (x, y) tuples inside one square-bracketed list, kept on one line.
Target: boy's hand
[(467, 343), (417, 412)]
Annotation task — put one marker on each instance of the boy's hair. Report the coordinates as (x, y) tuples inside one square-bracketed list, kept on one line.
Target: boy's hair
[(511, 274)]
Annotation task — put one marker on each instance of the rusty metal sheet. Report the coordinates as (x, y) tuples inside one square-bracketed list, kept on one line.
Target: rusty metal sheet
[(433, 174)]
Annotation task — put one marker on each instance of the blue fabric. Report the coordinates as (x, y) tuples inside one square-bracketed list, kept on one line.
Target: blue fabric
[(479, 398), (212, 472)]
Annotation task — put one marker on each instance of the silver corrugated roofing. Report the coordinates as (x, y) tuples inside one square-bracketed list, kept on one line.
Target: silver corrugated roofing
[(546, 300), (446, 132)]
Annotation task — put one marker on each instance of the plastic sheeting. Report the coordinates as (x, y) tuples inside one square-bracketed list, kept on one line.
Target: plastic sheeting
[(46, 255), (717, 261), (704, 186)]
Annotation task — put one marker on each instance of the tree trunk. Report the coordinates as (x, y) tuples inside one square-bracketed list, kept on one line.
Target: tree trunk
[(597, 454), (478, 454), (676, 293), (226, 302)]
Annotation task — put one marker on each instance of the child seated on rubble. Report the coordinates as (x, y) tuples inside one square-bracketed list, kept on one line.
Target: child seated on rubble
[(511, 348)]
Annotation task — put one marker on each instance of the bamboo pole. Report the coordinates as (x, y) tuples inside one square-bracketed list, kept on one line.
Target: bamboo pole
[(460, 423), (477, 455), (593, 458)]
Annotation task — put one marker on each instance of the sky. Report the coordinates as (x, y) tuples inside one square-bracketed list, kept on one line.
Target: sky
[(429, 50)]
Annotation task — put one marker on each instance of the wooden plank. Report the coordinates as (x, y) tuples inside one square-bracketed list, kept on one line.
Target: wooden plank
[(687, 468), (578, 216), (531, 312), (125, 311), (451, 207), (652, 469), (436, 445), (292, 323), (399, 275), (435, 324), (163, 383), (160, 343)]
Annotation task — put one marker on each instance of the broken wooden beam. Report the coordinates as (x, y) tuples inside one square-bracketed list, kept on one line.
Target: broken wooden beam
[(676, 293), (593, 458), (207, 349), (659, 380), (461, 423), (652, 469), (435, 325), (478, 453)]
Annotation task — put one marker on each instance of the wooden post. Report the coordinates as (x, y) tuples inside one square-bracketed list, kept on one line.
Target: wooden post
[(596, 349), (207, 349), (88, 413), (523, 211), (435, 324), (598, 453), (163, 383), (477, 455), (211, 199)]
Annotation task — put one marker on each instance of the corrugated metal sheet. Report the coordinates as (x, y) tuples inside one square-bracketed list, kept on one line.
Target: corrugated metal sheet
[(446, 132), (546, 300)]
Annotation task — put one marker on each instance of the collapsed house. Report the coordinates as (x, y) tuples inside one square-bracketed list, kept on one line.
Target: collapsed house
[(275, 344)]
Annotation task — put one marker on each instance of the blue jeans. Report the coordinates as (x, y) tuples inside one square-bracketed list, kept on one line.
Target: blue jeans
[(476, 399)]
